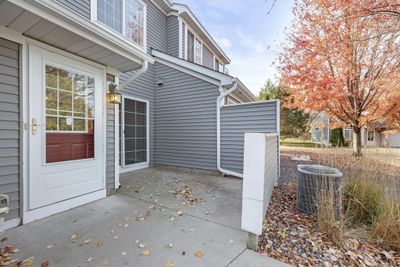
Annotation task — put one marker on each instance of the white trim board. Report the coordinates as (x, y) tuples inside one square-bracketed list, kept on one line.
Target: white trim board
[(10, 224), (11, 35), (40, 213)]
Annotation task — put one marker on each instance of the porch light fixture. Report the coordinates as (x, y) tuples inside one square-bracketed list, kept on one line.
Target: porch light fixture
[(114, 95)]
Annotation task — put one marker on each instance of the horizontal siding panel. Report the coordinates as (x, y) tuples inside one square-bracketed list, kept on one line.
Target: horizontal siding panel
[(8, 89), (9, 125), (81, 7), (173, 36), (9, 161), (7, 70), (8, 61), (185, 120), (236, 120)]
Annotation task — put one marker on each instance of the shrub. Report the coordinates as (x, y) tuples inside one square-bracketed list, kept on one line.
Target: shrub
[(386, 228), (362, 201), (327, 213), (337, 138)]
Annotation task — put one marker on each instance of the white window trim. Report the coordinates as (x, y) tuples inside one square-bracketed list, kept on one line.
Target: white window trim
[(142, 165), (93, 18)]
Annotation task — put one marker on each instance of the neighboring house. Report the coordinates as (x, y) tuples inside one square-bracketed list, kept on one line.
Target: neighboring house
[(374, 134), (64, 139)]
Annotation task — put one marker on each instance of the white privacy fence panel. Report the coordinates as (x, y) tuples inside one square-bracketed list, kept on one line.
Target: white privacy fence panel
[(260, 175)]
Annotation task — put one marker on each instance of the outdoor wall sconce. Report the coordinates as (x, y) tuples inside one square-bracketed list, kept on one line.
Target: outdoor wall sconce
[(114, 95)]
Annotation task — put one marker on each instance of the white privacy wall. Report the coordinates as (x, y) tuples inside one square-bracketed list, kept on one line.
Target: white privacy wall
[(260, 175)]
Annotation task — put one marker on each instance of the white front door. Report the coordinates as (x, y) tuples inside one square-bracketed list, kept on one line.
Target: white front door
[(66, 128)]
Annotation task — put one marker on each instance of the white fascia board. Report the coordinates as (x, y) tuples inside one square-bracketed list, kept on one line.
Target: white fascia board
[(70, 20), (224, 80), (246, 91), (182, 8)]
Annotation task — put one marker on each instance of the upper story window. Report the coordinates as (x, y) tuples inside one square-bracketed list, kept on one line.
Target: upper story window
[(126, 17), (190, 47), (194, 49), (197, 51), (216, 64)]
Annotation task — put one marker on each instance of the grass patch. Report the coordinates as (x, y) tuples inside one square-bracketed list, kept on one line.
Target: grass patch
[(293, 142), (362, 201)]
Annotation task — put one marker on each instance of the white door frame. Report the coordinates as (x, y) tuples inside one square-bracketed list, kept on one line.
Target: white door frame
[(32, 215), (137, 166)]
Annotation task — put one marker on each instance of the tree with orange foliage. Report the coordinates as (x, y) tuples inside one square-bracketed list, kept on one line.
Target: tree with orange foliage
[(344, 61)]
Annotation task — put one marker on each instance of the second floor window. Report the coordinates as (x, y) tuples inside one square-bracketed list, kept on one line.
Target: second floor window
[(197, 51), (190, 47), (126, 17)]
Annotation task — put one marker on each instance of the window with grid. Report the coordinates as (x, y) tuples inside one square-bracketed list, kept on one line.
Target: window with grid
[(134, 132), (69, 101), (127, 17)]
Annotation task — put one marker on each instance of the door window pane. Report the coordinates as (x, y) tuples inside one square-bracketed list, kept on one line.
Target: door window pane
[(69, 115)]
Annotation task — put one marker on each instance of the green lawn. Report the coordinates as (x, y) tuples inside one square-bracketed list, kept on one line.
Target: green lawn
[(294, 142)]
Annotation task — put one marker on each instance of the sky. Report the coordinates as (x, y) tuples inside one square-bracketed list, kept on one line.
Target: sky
[(247, 33)]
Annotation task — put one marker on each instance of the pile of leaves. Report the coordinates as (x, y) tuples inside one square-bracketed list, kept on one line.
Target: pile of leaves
[(292, 237), (6, 256), (186, 193)]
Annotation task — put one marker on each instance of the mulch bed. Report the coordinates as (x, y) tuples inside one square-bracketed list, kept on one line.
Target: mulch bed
[(292, 237)]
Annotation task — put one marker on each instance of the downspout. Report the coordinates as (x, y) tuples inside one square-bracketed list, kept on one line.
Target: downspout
[(219, 100), (135, 75)]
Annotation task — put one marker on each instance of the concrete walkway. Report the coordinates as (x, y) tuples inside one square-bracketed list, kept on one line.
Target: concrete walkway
[(145, 212)]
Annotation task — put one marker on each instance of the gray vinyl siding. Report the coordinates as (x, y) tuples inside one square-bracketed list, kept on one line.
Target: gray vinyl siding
[(173, 36), (110, 139), (208, 58), (82, 7), (10, 125), (143, 89), (185, 120), (259, 117), (156, 27)]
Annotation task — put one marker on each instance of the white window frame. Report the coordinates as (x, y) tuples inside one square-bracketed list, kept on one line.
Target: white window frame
[(137, 166), (189, 29), (93, 17)]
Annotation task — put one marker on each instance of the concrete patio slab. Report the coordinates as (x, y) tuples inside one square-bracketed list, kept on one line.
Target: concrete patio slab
[(108, 232)]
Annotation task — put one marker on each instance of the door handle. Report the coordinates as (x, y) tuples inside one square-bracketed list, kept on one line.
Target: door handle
[(34, 126)]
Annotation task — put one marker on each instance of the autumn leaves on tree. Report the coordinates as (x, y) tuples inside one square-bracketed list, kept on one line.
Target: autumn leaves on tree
[(343, 58)]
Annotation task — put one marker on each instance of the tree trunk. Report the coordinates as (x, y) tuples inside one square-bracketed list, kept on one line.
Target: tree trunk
[(357, 142)]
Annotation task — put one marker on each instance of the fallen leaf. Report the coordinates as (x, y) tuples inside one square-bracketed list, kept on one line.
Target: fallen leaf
[(87, 241), (115, 237), (49, 246), (169, 263), (146, 252), (4, 239), (141, 245), (45, 264), (199, 254), (72, 237), (99, 244), (28, 261), (183, 253), (89, 259)]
